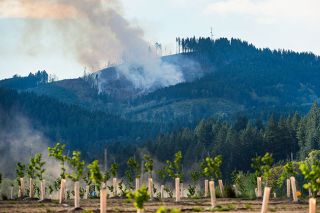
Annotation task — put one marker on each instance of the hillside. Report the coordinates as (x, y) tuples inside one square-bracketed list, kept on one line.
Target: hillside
[(77, 127), (222, 78)]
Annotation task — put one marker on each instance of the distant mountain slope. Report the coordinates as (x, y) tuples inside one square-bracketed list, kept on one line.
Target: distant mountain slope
[(79, 128), (71, 91), (247, 78), (223, 77), (114, 83)]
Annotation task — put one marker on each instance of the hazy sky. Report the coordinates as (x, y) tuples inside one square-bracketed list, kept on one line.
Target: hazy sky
[(288, 24)]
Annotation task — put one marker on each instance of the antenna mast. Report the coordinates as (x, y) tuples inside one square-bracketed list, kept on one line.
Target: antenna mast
[(211, 34)]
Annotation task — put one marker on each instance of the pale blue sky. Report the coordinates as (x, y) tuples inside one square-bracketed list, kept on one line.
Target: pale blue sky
[(288, 24)]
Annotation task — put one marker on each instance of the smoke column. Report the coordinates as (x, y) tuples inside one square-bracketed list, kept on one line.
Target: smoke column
[(97, 33)]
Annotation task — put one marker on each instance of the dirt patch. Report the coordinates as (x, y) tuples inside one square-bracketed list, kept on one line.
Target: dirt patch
[(186, 205)]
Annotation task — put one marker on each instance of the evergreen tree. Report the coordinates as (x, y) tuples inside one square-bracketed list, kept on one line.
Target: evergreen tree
[(309, 132)]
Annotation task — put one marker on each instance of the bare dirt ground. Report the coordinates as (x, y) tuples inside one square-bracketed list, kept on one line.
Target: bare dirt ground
[(186, 205)]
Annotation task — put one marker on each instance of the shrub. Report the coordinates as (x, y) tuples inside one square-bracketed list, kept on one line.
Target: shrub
[(245, 184), (229, 192), (262, 166), (148, 164), (311, 174), (77, 166), (139, 197), (57, 152), (211, 167)]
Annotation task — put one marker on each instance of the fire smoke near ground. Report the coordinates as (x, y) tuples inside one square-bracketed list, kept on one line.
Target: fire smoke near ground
[(19, 142), (97, 33)]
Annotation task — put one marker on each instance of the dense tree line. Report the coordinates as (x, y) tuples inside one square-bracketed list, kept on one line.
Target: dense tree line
[(287, 137), (21, 83)]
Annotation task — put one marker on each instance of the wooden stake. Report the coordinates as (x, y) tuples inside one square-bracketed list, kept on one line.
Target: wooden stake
[(259, 187), (62, 191), (76, 194), (206, 188), (31, 188), (221, 187), (42, 190), (294, 189), (288, 188), (265, 202), (312, 205), (178, 193), (137, 184), (212, 194), (114, 184), (103, 200), (161, 191)]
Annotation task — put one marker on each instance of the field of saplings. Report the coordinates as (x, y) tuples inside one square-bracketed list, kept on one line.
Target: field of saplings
[(283, 187)]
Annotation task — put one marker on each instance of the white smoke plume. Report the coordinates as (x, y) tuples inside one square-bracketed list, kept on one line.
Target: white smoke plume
[(18, 143), (97, 33)]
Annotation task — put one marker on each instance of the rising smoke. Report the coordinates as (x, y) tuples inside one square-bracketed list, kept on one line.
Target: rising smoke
[(96, 32), (19, 141)]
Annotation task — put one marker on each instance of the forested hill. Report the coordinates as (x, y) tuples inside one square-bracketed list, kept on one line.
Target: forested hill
[(235, 79), (240, 78), (81, 129), (224, 78)]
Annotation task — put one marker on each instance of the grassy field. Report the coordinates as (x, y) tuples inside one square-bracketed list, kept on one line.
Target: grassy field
[(186, 205)]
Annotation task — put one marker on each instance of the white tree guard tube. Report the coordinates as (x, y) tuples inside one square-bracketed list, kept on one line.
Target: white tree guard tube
[(259, 187), (21, 194), (288, 188), (103, 200), (221, 187), (62, 191), (76, 194), (150, 188), (265, 202), (162, 191), (181, 189), (294, 189), (137, 184), (177, 186), (312, 205), (115, 187), (42, 189), (31, 189), (206, 188), (86, 192), (212, 194)]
